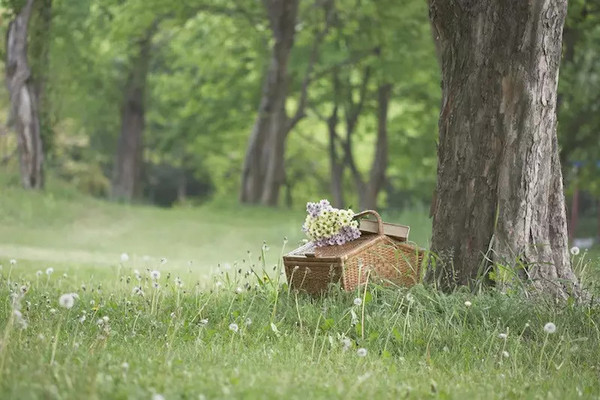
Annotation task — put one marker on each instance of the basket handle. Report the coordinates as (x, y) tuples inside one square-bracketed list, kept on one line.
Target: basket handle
[(376, 215)]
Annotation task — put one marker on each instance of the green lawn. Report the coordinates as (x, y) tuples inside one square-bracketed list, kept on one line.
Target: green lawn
[(178, 341)]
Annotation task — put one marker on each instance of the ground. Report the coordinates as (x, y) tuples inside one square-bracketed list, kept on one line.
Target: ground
[(211, 331)]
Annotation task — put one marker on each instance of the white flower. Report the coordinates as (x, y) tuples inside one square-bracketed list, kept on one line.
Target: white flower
[(158, 396), (357, 301), (505, 354), (155, 274), (125, 365), (248, 321), (502, 335), (178, 282), (203, 322), (49, 271), (362, 352), (13, 261), (100, 322), (346, 343), (410, 297), (82, 319), (468, 303), (124, 257), (105, 319), (52, 311), (233, 327), (66, 300), (238, 290), (155, 285), (574, 250), (38, 273), (550, 328)]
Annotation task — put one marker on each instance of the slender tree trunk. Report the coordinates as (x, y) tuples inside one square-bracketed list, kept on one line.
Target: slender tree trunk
[(264, 156), (24, 106), (499, 188), (380, 161), (336, 164), (126, 184)]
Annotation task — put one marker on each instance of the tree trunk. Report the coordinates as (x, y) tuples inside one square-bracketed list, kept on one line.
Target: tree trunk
[(380, 160), (336, 164), (263, 165), (499, 184), (24, 107), (126, 184)]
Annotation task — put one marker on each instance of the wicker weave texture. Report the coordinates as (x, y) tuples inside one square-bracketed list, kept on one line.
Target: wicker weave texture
[(377, 257)]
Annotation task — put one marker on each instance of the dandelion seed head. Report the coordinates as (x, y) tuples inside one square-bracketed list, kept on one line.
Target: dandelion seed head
[(248, 322), (52, 311), (125, 366), (550, 328), (124, 257), (66, 300), (574, 250), (203, 322), (505, 354), (468, 303), (346, 343), (13, 261), (105, 319), (233, 327), (155, 274), (163, 260), (238, 290), (38, 273), (502, 335), (362, 352), (357, 301), (49, 271)]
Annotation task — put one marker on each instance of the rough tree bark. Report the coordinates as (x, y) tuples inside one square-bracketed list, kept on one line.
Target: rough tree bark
[(128, 163), (499, 193), (24, 108)]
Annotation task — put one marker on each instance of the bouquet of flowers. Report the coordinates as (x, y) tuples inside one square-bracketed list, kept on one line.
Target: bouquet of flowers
[(328, 226)]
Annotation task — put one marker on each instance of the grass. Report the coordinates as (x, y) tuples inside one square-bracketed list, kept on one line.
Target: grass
[(178, 341)]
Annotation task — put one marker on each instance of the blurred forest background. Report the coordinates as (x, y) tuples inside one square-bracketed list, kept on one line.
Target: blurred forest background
[(273, 102)]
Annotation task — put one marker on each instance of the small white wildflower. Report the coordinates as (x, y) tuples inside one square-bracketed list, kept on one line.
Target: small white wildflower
[(65, 275), (468, 303), (66, 300), (163, 260), (233, 327), (173, 314), (446, 349), (38, 273), (357, 301), (203, 322), (52, 311), (13, 261), (92, 303), (24, 289), (362, 352), (125, 365), (248, 321), (502, 335), (346, 343), (238, 290), (574, 250), (155, 274), (505, 354), (49, 271), (105, 319), (550, 328), (82, 319), (124, 257)]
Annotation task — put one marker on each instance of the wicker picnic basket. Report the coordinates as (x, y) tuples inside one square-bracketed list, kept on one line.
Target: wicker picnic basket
[(373, 257)]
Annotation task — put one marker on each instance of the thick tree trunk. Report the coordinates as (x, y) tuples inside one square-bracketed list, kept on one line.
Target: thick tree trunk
[(23, 98), (499, 188), (262, 173), (380, 160), (127, 173), (40, 36)]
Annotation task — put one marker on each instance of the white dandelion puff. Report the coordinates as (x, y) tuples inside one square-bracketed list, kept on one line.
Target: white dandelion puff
[(238, 290), (575, 250), (82, 319), (163, 260), (49, 271), (203, 322), (125, 366), (505, 354), (468, 303), (362, 352), (13, 261), (346, 343), (155, 275), (357, 301), (550, 328), (248, 322), (105, 319), (502, 335), (233, 327), (66, 300), (52, 311), (124, 257), (38, 273)]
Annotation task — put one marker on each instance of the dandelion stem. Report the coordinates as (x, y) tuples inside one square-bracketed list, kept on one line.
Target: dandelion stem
[(542, 354)]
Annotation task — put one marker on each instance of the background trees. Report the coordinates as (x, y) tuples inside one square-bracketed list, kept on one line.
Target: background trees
[(265, 102)]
